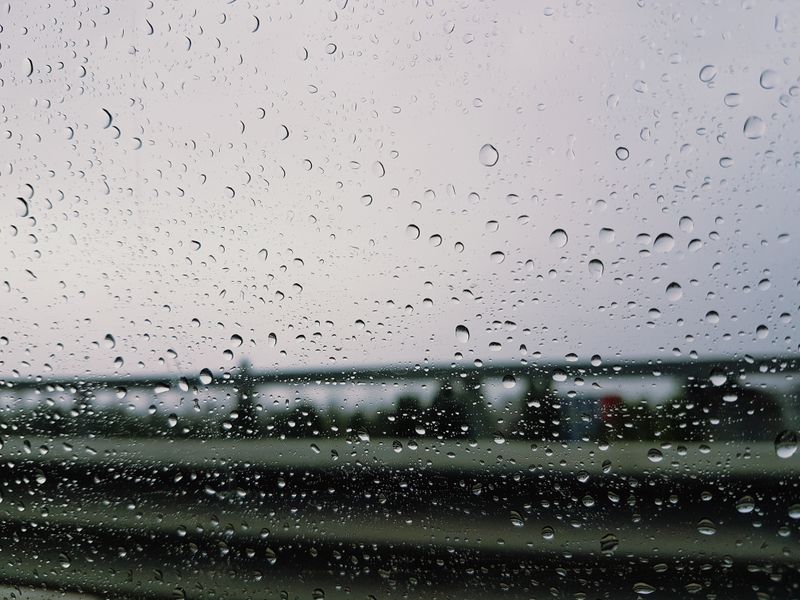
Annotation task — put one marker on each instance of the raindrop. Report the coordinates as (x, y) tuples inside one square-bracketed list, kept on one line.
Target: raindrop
[(643, 588), (745, 504), (21, 207), (708, 73), (462, 334), (664, 242), (283, 132), (706, 527), (412, 231), (206, 377), (548, 532), (769, 79), (712, 317), (509, 381), (717, 377), (607, 235), (786, 444), (754, 127), (558, 238), (686, 224), (516, 519), (497, 257), (654, 455), (237, 340), (272, 340), (732, 100), (109, 341), (622, 153), (596, 268), (488, 155), (608, 543), (674, 292)]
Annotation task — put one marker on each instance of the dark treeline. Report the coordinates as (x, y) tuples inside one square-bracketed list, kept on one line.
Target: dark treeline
[(699, 414)]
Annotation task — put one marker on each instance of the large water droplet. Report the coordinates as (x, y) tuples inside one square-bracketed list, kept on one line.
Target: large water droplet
[(769, 79), (559, 238), (608, 543), (717, 377), (412, 231), (488, 155), (786, 444), (754, 127), (462, 334), (206, 377), (664, 242), (674, 292), (596, 268), (708, 73)]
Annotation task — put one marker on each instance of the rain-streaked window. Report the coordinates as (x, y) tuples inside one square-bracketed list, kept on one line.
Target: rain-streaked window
[(423, 299)]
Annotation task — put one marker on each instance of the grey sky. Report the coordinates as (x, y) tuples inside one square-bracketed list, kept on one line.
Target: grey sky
[(136, 227)]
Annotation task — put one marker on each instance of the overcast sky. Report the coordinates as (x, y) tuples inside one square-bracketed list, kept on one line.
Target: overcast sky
[(186, 185)]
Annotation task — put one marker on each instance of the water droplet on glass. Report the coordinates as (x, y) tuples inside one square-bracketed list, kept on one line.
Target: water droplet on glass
[(559, 238), (109, 341), (548, 532), (643, 588), (708, 73), (786, 444), (516, 519), (596, 268), (674, 292), (754, 127), (717, 377), (732, 100), (706, 527), (412, 231), (712, 317), (497, 257), (509, 381), (462, 334), (488, 155), (607, 235), (622, 153), (664, 242), (206, 377), (769, 79), (608, 543), (745, 504), (654, 455)]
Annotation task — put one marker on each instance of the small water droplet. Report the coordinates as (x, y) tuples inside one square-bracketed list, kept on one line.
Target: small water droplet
[(548, 532), (622, 153)]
